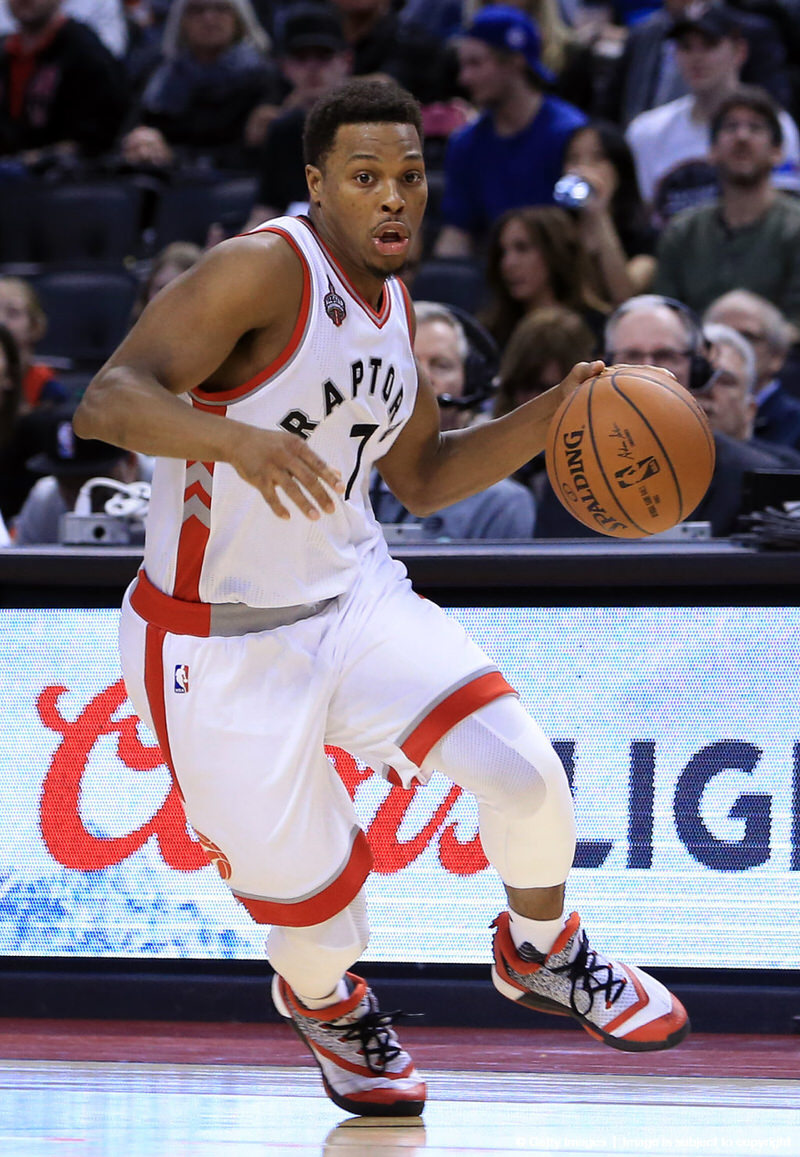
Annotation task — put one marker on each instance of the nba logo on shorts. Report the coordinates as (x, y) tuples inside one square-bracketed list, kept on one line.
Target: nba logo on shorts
[(181, 678)]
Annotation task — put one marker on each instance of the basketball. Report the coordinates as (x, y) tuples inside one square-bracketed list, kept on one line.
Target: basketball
[(630, 452)]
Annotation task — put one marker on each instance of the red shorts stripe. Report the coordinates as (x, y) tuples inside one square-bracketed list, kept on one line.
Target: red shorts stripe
[(324, 904), (154, 688), (452, 710)]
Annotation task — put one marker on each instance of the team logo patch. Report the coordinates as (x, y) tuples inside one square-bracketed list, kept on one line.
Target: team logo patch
[(216, 856), (181, 685), (334, 305)]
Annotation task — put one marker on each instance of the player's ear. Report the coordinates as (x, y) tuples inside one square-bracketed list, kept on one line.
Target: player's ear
[(314, 182)]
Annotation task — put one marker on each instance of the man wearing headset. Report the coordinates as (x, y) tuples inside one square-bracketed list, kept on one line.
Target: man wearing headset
[(462, 380), (655, 330)]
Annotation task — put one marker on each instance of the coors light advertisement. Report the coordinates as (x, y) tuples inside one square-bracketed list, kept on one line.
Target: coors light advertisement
[(676, 726)]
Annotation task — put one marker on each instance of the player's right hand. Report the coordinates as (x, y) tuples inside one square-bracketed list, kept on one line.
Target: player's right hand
[(281, 465)]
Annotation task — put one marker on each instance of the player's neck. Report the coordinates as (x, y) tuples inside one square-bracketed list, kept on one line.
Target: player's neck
[(367, 284)]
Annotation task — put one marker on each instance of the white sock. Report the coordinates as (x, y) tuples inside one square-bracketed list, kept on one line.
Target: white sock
[(340, 992), (541, 934)]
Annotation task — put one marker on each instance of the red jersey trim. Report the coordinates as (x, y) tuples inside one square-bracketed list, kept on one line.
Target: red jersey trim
[(325, 904), (223, 397), (445, 715), (409, 308), (154, 689), (379, 318)]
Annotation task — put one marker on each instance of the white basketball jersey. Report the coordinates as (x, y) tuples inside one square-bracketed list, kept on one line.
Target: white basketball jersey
[(347, 383)]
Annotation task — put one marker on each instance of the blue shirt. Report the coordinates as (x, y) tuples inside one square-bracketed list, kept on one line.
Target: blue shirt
[(486, 174)]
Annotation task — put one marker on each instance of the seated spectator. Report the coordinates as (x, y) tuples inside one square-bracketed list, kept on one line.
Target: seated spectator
[(505, 510), (671, 143), (540, 353), (210, 99), (383, 44), (313, 58), (513, 154), (67, 463), (648, 75), (612, 221), (21, 311), (105, 17), (771, 336), (729, 401), (173, 260), (748, 238), (536, 259), (62, 95)]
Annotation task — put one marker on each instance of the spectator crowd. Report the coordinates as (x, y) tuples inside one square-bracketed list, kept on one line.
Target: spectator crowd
[(606, 180)]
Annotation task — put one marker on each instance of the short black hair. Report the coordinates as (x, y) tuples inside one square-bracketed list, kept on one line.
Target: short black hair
[(358, 101), (758, 101)]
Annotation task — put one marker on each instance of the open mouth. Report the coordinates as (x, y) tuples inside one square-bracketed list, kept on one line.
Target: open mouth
[(392, 239)]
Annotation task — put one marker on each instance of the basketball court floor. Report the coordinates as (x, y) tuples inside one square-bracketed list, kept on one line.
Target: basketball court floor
[(146, 1089)]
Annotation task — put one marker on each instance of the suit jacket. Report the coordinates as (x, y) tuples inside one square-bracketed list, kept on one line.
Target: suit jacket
[(778, 419)]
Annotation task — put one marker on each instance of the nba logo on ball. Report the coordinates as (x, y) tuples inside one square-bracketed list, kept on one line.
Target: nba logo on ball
[(181, 678)]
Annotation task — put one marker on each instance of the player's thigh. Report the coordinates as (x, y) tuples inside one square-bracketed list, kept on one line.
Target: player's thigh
[(241, 721), (412, 671)]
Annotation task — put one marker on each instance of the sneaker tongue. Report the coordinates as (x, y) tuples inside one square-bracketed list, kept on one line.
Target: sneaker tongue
[(361, 1009)]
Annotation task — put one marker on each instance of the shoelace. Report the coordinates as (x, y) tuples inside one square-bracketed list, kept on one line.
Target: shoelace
[(590, 975), (373, 1031)]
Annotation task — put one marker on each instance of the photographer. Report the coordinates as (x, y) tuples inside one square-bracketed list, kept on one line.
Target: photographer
[(600, 186)]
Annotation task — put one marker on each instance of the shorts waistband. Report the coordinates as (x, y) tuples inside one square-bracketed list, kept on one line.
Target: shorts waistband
[(213, 619)]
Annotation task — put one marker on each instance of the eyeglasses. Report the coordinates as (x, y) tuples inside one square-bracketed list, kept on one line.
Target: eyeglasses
[(660, 357)]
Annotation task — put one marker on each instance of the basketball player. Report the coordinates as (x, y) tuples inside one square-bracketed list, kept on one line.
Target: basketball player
[(269, 618)]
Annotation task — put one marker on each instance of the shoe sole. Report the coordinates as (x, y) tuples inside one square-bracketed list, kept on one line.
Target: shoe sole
[(359, 1108), (542, 1004)]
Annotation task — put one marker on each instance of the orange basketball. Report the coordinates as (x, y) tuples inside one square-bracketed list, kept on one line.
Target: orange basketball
[(630, 452)]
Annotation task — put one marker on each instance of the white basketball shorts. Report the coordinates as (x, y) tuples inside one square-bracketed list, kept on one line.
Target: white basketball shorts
[(243, 720)]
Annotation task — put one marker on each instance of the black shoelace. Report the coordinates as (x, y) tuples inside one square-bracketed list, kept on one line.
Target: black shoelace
[(588, 975), (373, 1031)]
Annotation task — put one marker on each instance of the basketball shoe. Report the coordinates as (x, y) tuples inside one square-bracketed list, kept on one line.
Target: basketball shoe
[(364, 1068), (616, 1003)]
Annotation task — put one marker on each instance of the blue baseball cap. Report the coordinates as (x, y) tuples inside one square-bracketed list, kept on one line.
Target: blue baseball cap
[(511, 30)]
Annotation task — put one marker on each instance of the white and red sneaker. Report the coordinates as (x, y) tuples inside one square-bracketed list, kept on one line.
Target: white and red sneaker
[(616, 1003), (364, 1068)]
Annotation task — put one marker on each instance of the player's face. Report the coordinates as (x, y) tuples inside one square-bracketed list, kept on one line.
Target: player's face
[(744, 151), (729, 404), (653, 337), (522, 265), (369, 197)]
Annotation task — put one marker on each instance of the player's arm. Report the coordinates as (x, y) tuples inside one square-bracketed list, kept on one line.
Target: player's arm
[(181, 340), (428, 469)]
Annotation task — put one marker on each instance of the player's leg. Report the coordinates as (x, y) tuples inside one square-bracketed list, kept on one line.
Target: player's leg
[(414, 676), (542, 957), (364, 1067), (247, 753)]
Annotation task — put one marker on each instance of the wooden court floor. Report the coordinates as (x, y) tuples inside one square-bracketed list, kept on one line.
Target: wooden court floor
[(151, 1089)]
